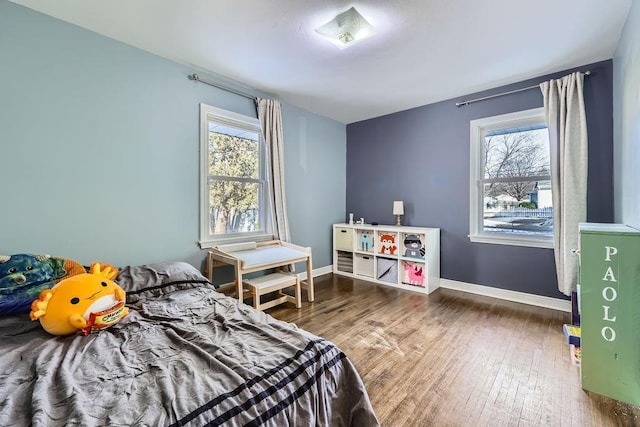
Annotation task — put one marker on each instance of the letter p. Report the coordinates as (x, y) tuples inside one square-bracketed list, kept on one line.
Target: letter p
[(610, 251)]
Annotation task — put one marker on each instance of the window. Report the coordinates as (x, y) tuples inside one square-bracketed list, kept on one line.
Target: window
[(511, 200), (233, 202)]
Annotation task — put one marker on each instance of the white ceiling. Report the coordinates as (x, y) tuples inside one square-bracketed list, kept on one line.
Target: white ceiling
[(424, 50)]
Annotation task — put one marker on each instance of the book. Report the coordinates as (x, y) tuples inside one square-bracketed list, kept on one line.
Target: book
[(572, 332)]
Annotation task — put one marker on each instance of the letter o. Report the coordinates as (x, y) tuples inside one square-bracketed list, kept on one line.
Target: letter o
[(607, 330), (614, 294)]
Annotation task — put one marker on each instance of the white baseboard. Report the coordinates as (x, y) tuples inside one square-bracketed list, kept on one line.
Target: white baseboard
[(317, 272), (505, 294)]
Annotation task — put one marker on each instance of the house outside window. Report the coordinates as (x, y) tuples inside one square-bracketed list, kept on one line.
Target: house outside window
[(510, 195), (233, 201)]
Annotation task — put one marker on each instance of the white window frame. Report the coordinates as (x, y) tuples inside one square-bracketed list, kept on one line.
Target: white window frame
[(478, 129), (208, 240)]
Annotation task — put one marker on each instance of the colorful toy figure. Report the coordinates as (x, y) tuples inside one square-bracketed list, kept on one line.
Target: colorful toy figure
[(415, 275), (366, 241), (388, 244), (414, 246), (85, 303)]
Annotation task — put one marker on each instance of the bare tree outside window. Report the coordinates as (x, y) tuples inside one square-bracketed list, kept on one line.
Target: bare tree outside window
[(510, 180), (517, 190), (516, 155)]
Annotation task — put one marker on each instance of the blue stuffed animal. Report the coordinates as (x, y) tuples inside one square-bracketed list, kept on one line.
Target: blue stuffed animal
[(23, 277)]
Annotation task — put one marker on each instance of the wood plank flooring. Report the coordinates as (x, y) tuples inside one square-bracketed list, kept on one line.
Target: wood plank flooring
[(455, 359)]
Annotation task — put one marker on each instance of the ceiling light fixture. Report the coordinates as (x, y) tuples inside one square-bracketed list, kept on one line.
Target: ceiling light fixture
[(346, 29)]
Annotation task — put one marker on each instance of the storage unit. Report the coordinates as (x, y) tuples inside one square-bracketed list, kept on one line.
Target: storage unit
[(610, 310), (403, 257)]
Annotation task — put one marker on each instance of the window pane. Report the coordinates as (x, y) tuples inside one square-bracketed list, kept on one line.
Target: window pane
[(518, 153), (233, 206), (233, 155), (523, 207)]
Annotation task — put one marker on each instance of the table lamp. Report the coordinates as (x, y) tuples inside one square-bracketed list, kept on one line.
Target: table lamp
[(398, 210)]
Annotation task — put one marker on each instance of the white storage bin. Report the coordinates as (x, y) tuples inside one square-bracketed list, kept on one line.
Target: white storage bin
[(343, 239), (387, 270), (365, 240), (364, 265)]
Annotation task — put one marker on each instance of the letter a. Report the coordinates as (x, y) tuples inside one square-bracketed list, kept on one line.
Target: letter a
[(608, 276)]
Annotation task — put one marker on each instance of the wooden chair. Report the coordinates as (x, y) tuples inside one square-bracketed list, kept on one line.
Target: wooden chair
[(262, 285)]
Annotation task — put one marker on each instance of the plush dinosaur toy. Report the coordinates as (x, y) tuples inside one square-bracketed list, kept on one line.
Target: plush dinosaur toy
[(83, 303)]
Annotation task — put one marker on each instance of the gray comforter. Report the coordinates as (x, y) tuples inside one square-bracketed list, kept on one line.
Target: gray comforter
[(185, 355)]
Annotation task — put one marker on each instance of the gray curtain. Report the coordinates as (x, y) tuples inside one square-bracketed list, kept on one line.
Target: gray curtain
[(566, 120), (270, 115)]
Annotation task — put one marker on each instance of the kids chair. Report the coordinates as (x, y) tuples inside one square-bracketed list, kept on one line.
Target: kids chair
[(261, 285)]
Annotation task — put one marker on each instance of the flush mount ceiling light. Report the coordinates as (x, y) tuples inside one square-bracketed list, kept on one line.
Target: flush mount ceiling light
[(346, 29)]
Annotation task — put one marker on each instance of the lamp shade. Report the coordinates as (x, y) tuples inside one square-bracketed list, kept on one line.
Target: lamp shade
[(398, 207)]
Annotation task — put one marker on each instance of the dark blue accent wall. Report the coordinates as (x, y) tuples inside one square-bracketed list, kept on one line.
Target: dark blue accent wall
[(421, 156)]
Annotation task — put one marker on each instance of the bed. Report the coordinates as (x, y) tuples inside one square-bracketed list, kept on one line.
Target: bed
[(185, 355)]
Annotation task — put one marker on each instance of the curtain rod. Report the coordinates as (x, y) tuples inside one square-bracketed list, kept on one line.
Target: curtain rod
[(219, 86), (461, 103)]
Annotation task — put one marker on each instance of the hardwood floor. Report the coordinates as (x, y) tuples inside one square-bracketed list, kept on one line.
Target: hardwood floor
[(455, 359)]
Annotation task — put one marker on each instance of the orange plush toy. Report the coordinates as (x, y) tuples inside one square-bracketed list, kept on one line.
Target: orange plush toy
[(82, 303)]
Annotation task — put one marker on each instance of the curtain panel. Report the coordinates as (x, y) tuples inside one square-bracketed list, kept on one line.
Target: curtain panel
[(270, 116), (567, 124)]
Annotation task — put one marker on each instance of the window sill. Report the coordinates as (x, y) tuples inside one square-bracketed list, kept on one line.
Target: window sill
[(208, 244), (531, 242)]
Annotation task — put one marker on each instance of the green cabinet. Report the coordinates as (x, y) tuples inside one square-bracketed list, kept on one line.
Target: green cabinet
[(610, 310)]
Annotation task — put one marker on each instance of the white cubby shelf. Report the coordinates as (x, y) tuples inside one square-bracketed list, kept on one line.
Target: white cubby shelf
[(398, 256)]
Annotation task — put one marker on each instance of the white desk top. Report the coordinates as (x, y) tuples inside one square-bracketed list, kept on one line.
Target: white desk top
[(268, 255)]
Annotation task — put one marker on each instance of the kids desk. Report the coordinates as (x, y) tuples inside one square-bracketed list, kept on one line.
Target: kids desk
[(256, 256)]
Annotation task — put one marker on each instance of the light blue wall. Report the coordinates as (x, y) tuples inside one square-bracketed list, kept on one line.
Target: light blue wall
[(99, 149), (626, 116), (315, 178)]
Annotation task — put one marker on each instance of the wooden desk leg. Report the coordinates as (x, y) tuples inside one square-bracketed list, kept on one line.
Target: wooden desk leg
[(239, 283), (310, 293), (210, 266)]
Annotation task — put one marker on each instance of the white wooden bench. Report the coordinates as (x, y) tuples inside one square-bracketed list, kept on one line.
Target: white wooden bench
[(262, 285)]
